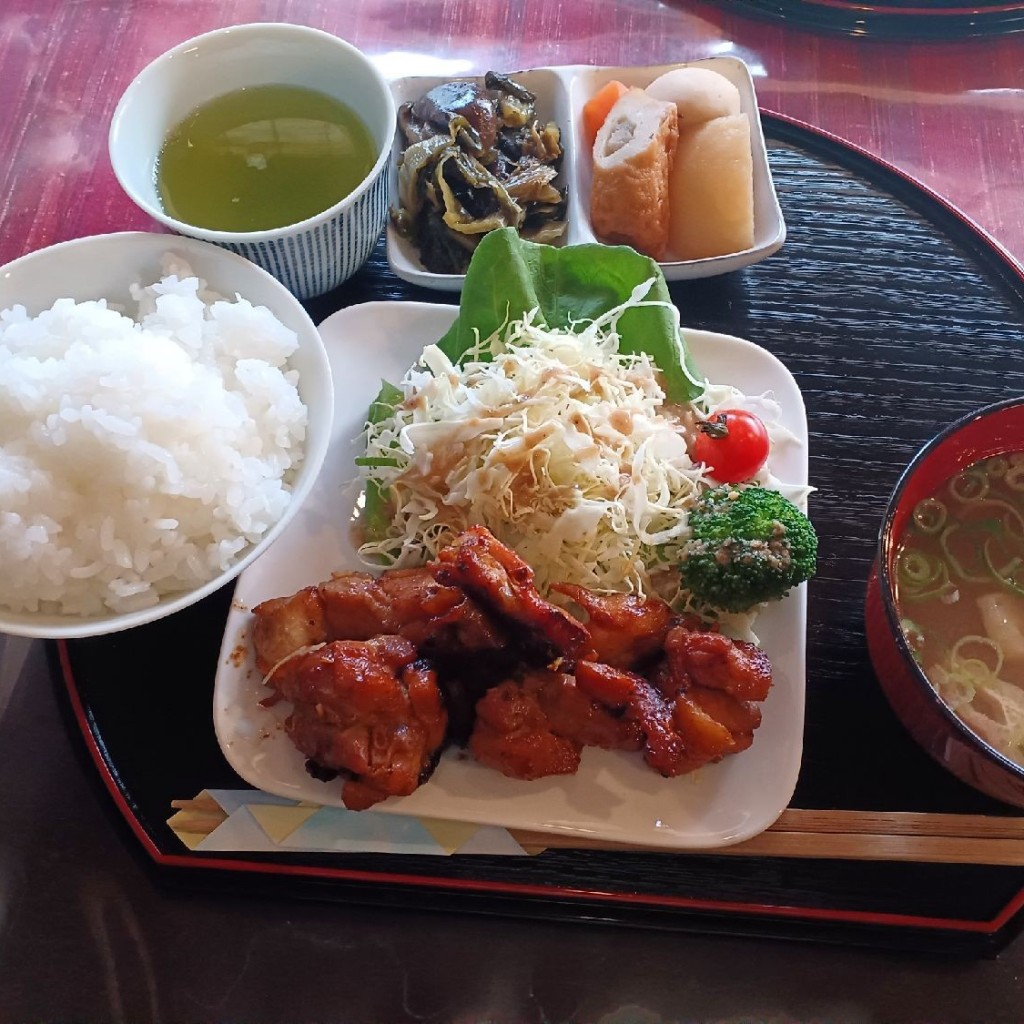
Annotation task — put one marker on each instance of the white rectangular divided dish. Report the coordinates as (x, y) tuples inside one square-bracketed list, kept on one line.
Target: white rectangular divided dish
[(561, 94), (614, 795)]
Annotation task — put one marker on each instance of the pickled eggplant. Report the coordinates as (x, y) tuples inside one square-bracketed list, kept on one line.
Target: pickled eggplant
[(476, 157)]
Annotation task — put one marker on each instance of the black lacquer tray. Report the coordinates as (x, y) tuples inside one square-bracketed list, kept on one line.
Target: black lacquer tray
[(919, 20), (896, 316)]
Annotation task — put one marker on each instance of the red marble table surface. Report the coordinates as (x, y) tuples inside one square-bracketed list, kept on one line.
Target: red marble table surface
[(948, 113), (86, 932)]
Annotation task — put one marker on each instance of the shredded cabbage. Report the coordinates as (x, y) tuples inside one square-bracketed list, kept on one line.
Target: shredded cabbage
[(557, 442)]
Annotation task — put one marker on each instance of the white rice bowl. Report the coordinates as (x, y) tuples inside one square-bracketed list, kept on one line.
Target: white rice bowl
[(154, 436)]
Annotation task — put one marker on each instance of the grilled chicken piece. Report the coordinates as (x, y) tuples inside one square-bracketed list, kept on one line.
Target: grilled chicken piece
[(513, 735), (441, 620), (411, 603), (710, 659), (372, 710), (503, 584), (355, 607), (626, 630), (640, 702), (740, 717), (536, 726), (693, 710), (574, 715), (284, 625)]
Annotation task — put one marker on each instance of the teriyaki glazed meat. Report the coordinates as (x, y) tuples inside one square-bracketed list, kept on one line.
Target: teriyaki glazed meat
[(383, 672)]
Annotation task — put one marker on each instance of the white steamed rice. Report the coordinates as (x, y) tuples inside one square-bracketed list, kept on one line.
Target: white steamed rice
[(140, 457)]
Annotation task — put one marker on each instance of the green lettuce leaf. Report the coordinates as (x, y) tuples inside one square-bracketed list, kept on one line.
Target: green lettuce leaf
[(508, 277), (376, 511)]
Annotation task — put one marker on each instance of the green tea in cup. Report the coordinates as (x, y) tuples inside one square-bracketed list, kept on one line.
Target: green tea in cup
[(263, 157)]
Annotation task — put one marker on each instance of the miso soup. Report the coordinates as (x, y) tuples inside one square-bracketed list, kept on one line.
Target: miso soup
[(959, 588), (263, 157)]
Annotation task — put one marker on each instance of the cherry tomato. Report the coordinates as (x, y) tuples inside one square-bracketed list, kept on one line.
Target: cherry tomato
[(733, 444)]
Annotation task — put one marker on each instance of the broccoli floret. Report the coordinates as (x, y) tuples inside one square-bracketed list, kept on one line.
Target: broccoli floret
[(748, 545)]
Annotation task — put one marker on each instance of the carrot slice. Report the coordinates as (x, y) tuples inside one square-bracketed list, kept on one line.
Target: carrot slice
[(597, 108)]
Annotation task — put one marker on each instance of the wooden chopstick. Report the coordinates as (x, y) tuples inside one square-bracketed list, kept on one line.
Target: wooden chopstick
[(975, 826), (198, 816), (911, 836), (851, 835)]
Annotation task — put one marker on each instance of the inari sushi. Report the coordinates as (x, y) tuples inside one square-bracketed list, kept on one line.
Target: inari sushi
[(633, 153)]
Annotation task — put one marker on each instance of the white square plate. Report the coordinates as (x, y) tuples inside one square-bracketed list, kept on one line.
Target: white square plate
[(561, 93), (614, 796)]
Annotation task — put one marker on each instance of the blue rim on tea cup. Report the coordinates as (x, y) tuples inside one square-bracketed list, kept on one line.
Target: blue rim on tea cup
[(310, 257)]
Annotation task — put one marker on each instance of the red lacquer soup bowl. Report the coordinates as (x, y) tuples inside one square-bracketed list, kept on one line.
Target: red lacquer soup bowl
[(994, 430)]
